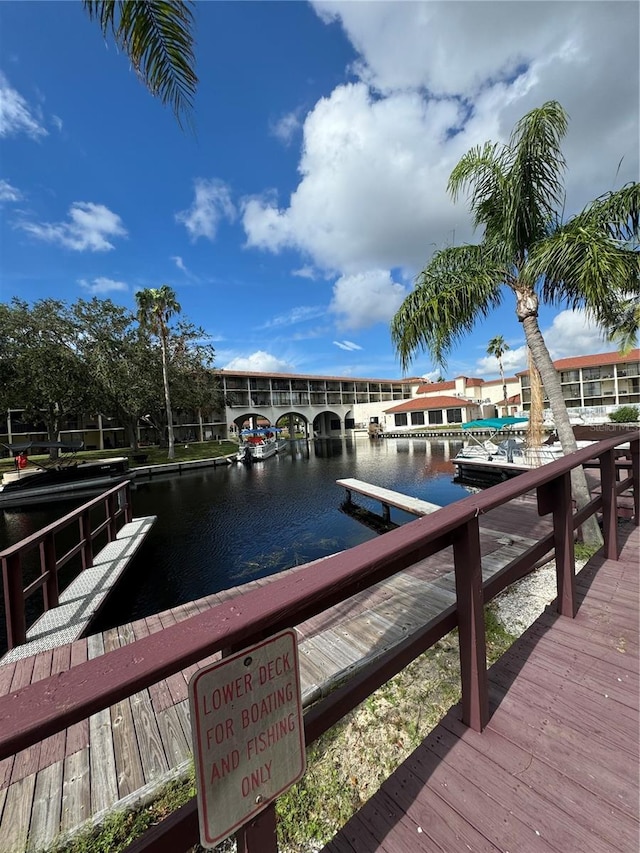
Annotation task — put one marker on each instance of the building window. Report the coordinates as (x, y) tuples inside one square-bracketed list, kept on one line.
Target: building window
[(454, 416), (401, 420), (417, 418), (436, 417), (334, 425), (349, 423), (591, 373), (569, 376), (592, 389)]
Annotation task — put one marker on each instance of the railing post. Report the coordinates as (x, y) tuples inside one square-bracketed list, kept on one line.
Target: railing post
[(635, 470), (555, 497), (471, 630), (48, 567), (112, 506), (87, 542), (259, 835), (14, 600), (608, 481), (128, 510)]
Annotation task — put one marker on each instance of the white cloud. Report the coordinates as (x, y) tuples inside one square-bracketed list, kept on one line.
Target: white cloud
[(299, 314), (212, 203), (8, 192), (16, 116), (87, 229), (349, 346), (286, 127), (434, 80), (179, 263), (101, 285), (571, 333), (305, 272), (513, 360), (260, 362), (57, 122), (366, 298)]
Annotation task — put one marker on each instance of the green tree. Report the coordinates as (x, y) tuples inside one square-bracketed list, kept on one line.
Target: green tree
[(42, 370), (157, 36), (156, 307), (497, 347), (516, 194), (125, 369)]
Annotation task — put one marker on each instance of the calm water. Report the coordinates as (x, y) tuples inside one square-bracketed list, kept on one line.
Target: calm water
[(219, 527)]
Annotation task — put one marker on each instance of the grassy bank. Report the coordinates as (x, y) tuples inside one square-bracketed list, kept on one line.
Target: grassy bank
[(155, 455)]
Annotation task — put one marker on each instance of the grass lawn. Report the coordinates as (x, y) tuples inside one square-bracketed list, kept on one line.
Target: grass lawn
[(155, 455)]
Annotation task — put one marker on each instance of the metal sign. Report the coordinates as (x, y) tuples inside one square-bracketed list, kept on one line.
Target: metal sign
[(248, 735)]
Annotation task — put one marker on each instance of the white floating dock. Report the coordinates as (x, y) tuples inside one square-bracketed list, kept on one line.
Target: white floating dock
[(82, 599)]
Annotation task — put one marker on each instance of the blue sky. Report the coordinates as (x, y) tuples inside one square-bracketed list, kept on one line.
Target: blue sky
[(294, 219)]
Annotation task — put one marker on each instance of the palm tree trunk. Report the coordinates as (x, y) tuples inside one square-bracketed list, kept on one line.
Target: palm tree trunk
[(551, 381), (167, 399)]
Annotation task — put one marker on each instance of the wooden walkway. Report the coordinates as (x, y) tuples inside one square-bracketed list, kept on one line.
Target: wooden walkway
[(123, 753), (557, 768)]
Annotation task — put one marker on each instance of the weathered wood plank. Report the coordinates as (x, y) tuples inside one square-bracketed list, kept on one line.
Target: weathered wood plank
[(176, 746), (152, 755), (47, 804), (76, 799), (14, 827)]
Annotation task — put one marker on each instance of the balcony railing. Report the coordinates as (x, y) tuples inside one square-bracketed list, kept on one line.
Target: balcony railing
[(38, 711)]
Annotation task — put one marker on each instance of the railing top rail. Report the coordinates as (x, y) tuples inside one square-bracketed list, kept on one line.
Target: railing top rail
[(60, 524), (52, 704)]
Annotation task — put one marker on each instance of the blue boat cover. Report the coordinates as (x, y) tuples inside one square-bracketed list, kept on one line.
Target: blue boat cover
[(493, 423)]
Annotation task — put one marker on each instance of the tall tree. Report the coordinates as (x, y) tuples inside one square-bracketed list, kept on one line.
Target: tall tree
[(516, 194), (157, 36), (497, 347), (42, 371), (156, 306)]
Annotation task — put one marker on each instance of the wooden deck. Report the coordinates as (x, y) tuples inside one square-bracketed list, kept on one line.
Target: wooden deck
[(124, 753), (557, 767)]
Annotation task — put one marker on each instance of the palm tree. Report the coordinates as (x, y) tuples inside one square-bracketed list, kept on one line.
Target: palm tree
[(157, 36), (156, 306), (497, 348), (516, 194)]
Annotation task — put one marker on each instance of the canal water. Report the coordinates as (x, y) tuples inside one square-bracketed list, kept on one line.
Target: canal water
[(224, 526)]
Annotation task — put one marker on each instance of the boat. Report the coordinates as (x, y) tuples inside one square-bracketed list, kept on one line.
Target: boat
[(35, 482), (501, 456), (493, 459), (258, 444)]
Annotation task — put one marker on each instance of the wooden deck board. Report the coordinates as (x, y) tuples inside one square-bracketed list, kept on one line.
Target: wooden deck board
[(16, 815), (47, 802), (557, 766)]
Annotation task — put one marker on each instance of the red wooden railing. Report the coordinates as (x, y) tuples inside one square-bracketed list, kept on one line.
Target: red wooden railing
[(115, 506), (35, 712)]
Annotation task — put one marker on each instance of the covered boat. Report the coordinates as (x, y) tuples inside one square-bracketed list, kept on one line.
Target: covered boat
[(38, 481), (258, 444)]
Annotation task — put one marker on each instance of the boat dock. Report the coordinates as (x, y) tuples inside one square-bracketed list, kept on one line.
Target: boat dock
[(556, 768), (83, 598), (121, 755)]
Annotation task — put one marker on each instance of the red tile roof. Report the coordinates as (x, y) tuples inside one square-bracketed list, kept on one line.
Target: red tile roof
[(422, 405), (596, 360), (430, 387)]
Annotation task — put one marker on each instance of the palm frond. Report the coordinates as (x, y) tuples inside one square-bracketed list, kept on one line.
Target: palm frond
[(157, 37), (535, 186), (616, 213), (582, 266), (459, 285)]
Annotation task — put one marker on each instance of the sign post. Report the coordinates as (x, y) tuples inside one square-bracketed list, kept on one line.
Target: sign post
[(248, 734)]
